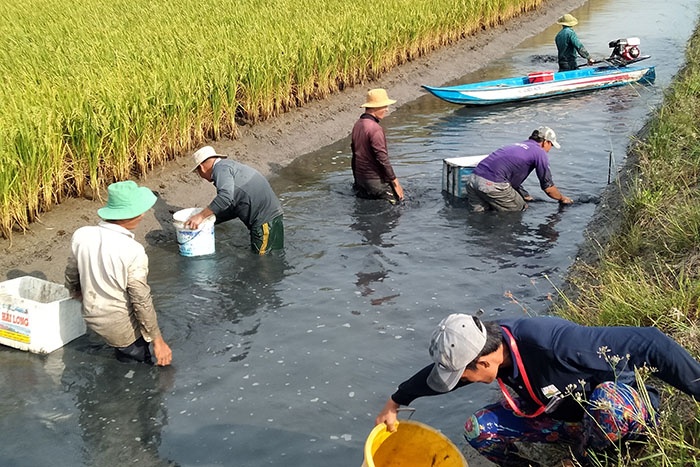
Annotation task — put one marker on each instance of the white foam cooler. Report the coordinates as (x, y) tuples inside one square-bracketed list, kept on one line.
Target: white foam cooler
[(455, 171), (37, 315)]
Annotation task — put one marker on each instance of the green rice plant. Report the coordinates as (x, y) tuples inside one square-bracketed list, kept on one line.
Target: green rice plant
[(101, 91)]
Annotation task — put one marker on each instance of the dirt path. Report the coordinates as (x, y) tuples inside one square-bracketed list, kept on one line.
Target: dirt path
[(42, 250)]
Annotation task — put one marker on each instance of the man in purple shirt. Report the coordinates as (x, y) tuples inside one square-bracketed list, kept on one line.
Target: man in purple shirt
[(496, 183), (371, 169)]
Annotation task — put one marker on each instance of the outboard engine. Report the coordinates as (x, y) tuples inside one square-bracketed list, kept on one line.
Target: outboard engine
[(625, 51)]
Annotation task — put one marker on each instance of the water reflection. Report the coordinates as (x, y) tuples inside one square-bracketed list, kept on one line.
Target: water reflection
[(221, 299), (375, 219), (121, 410), (514, 234)]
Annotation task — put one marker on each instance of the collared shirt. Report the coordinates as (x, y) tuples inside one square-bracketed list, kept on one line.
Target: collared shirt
[(513, 164), (110, 269), (562, 357), (370, 159), (242, 192), (568, 45)]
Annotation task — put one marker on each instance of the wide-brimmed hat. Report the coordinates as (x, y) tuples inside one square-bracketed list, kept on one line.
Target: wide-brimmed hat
[(377, 98), (567, 20), (126, 200), (203, 154), (455, 343), (548, 135)]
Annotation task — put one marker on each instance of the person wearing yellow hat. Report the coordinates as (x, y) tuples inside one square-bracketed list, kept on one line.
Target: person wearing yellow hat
[(108, 271), (374, 176), (568, 44)]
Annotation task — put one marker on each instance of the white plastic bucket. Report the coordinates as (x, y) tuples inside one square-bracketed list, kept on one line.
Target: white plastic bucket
[(194, 242)]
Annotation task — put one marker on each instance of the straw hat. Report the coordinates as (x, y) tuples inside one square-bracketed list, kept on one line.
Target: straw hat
[(377, 98), (203, 154), (567, 20), (126, 200)]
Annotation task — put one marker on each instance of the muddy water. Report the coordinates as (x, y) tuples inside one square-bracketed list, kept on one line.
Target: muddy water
[(285, 361)]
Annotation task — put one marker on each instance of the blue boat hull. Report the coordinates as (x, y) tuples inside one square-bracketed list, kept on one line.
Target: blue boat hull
[(546, 85)]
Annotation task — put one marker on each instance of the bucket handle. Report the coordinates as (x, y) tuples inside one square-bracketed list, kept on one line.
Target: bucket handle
[(190, 239), (407, 409)]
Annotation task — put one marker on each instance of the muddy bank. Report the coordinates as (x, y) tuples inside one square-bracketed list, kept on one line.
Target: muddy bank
[(42, 250)]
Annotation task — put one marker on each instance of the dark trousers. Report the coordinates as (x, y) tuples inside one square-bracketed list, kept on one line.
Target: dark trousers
[(269, 236), (375, 189), (139, 351)]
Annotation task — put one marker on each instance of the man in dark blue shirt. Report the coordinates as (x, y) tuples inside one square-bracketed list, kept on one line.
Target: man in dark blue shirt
[(573, 384)]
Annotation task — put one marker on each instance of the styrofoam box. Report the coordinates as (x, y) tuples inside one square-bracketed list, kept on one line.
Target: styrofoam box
[(38, 315), (455, 171)]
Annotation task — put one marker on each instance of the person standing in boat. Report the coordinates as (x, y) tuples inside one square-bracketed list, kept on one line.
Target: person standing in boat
[(568, 44), (496, 183), (374, 176), (574, 385)]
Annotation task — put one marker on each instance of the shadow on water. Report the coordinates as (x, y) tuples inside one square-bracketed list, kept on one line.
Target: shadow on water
[(121, 419)]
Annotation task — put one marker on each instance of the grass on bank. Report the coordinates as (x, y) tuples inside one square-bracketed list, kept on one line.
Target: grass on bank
[(648, 273), (96, 91)]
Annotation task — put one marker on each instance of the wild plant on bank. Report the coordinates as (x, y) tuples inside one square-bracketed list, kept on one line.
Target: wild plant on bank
[(662, 445), (648, 272)]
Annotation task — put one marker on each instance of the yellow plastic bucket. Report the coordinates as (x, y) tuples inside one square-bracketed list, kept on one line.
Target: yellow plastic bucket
[(413, 444)]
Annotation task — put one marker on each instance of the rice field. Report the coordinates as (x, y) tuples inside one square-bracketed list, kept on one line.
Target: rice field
[(98, 91)]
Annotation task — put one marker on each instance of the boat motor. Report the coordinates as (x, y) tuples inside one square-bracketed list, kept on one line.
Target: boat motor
[(625, 51)]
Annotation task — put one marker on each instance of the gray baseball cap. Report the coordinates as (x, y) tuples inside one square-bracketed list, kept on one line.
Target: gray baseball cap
[(548, 135), (455, 343)]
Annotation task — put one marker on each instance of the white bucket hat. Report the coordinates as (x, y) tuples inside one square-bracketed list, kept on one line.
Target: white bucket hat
[(203, 154), (377, 98)]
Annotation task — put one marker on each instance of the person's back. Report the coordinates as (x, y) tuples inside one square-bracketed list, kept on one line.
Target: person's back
[(513, 164), (107, 271), (496, 182), (372, 172), (106, 255), (370, 160), (244, 193)]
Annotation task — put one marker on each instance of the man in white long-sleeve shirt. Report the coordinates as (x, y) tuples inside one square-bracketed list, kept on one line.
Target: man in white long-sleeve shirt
[(108, 271)]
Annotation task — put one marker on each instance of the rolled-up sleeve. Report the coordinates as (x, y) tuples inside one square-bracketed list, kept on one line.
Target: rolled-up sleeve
[(140, 296), (72, 275)]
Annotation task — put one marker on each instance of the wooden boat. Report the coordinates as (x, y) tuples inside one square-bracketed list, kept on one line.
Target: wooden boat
[(543, 84)]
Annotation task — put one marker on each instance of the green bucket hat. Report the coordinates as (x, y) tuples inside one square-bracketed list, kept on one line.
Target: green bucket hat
[(126, 200)]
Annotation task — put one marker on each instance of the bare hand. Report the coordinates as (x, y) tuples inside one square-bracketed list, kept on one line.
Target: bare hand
[(565, 200), (388, 415), (398, 189), (164, 356), (194, 221)]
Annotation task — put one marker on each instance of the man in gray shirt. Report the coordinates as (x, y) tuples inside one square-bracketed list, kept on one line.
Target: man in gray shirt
[(241, 192)]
